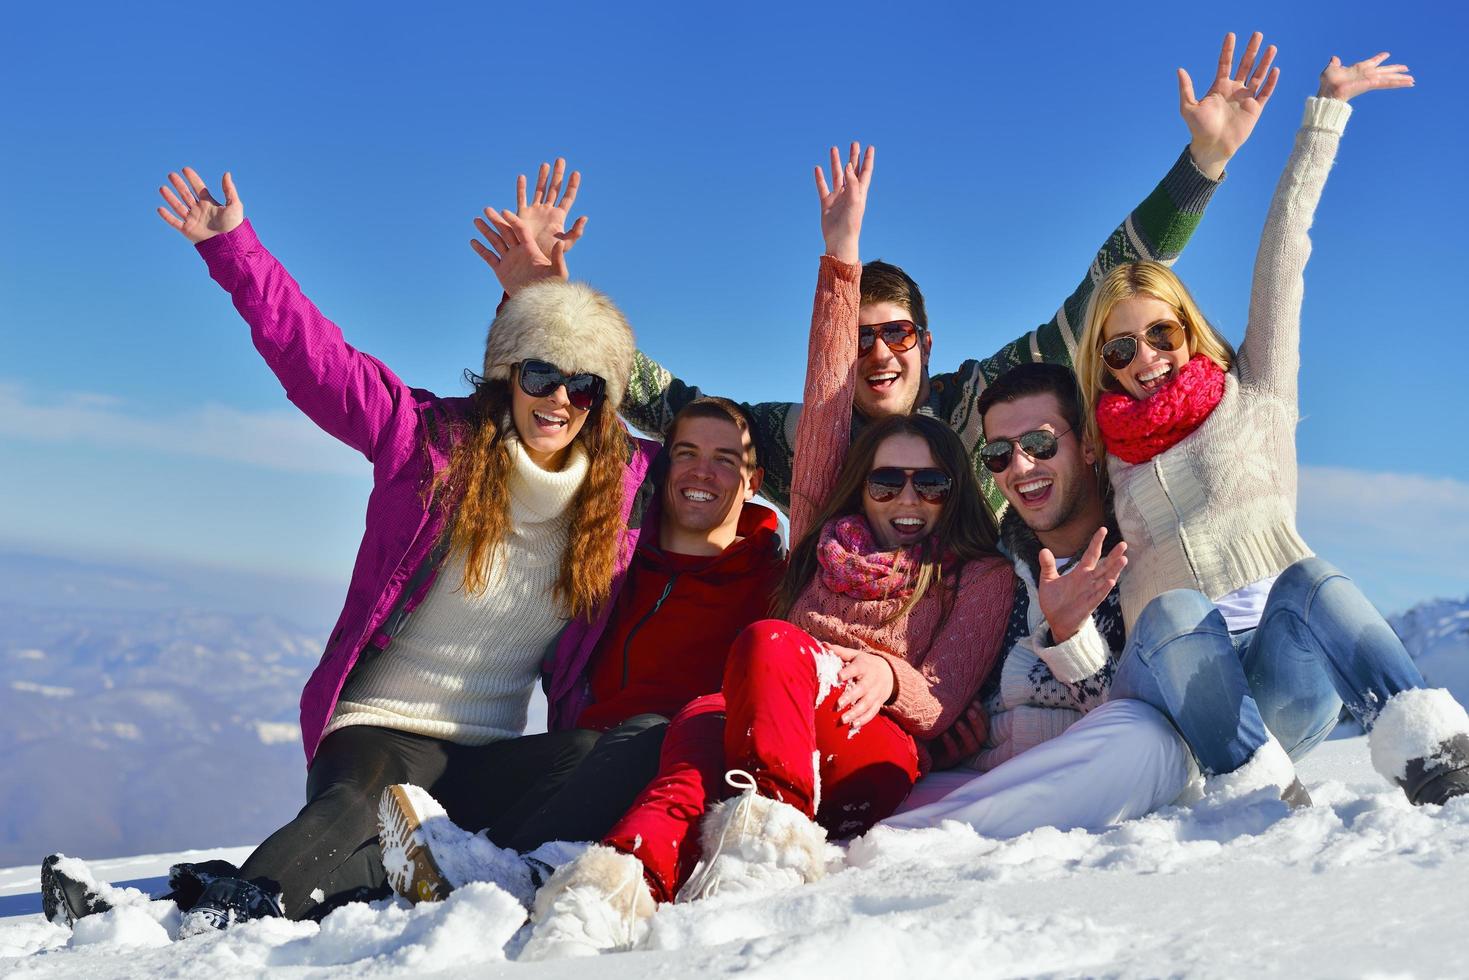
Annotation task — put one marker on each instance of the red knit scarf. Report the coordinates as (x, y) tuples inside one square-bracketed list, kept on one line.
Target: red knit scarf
[(853, 564), (1136, 430)]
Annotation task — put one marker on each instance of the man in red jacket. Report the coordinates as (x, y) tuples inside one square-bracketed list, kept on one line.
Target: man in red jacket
[(706, 568)]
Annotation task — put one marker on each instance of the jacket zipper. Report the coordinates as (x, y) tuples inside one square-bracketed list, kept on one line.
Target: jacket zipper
[(627, 644)]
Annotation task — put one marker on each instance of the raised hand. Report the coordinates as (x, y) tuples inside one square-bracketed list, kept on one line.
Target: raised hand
[(546, 212), (1067, 600), (513, 253), (843, 203), (1223, 119), (869, 683), (1344, 82), (195, 213)]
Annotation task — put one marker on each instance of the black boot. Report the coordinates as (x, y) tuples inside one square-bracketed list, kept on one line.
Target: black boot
[(227, 901), (66, 899), (1440, 777), (1295, 795), (187, 880)]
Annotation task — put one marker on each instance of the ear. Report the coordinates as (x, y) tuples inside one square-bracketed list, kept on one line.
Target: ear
[(1088, 453), (757, 476), (927, 346)]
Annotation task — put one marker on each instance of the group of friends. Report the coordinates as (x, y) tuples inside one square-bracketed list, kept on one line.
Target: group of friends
[(1142, 624)]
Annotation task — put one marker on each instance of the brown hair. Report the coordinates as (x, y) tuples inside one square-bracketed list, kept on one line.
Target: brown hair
[(883, 282), (714, 407), (476, 485), (965, 529)]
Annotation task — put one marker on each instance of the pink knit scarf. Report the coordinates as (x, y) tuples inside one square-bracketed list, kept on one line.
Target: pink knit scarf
[(1136, 430), (853, 564)]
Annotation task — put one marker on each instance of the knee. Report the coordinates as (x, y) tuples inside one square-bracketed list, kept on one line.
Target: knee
[(768, 642), (1306, 576), (1179, 611)]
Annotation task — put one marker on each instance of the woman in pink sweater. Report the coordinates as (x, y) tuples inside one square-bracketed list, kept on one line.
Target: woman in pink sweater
[(892, 613)]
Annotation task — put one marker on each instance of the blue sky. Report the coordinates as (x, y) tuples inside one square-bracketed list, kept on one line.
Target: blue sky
[(137, 421)]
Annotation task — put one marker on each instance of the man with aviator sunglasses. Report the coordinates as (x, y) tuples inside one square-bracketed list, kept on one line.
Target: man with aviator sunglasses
[(1050, 749), (894, 339)]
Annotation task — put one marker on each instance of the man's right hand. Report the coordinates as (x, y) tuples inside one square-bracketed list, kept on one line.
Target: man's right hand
[(513, 253), (843, 203), (1068, 600)]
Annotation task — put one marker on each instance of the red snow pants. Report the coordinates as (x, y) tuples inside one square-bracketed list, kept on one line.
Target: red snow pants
[(767, 722)]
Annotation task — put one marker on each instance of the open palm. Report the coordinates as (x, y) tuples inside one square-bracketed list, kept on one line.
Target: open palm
[(1224, 118), (194, 211), (1343, 82)]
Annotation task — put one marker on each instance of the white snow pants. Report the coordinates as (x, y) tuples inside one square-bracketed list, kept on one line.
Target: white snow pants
[(1119, 761)]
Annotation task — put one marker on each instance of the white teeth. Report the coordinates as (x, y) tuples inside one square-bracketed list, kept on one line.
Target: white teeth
[(548, 419), (883, 376), (698, 495), (908, 521), (1031, 486), (1157, 372)]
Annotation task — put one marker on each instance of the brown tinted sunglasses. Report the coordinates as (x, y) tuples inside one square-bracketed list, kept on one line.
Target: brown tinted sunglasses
[(898, 335), (1165, 335)]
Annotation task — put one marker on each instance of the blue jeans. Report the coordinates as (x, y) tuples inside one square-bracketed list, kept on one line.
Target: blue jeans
[(1320, 644)]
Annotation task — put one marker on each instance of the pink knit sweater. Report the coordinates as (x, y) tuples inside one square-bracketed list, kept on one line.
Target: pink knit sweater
[(937, 676)]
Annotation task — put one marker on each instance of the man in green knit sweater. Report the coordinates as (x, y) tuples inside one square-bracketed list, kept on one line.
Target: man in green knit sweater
[(893, 374)]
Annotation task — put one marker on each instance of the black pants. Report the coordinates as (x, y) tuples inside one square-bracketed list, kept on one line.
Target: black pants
[(524, 791)]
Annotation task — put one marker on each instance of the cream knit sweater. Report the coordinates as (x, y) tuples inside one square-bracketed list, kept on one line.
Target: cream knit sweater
[(463, 667), (1217, 511)]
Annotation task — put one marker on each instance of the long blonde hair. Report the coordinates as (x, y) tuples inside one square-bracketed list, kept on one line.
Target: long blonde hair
[(475, 485), (1155, 280)]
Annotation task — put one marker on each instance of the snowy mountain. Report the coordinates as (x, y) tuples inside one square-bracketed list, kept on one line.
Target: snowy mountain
[(1436, 633)]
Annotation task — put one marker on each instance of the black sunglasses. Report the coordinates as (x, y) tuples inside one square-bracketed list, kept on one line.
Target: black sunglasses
[(1165, 335), (1037, 444), (886, 482), (539, 379)]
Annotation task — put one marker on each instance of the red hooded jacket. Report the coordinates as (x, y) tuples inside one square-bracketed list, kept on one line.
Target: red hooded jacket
[(675, 619)]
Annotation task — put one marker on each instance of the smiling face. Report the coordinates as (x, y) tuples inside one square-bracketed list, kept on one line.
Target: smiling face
[(1058, 497), (1150, 369), (906, 519), (709, 480), (888, 381), (547, 426)]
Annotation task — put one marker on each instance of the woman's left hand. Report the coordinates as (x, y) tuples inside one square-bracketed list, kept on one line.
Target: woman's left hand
[(1224, 118), (869, 683), (1344, 82)]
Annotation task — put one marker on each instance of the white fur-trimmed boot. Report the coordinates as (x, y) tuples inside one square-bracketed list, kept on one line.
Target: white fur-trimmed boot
[(754, 843), (1420, 740), (597, 903), (427, 856), (1269, 766)]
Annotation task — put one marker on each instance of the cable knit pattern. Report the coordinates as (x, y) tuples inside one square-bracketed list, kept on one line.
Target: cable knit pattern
[(463, 667), (936, 671), (1218, 510)]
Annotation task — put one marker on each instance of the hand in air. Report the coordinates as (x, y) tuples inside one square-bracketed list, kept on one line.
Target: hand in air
[(962, 740), (1067, 600), (869, 683), (546, 212), (513, 253), (1345, 82), (1223, 119), (844, 201), (195, 213)]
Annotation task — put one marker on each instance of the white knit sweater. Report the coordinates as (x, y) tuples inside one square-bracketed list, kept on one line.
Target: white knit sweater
[(463, 667), (1217, 511)]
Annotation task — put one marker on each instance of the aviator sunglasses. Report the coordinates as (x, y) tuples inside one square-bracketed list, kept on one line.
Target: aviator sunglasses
[(1037, 444), (898, 335), (539, 379), (886, 482), (1165, 335)]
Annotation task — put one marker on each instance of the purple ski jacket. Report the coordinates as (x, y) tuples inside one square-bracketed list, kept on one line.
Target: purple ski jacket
[(406, 433)]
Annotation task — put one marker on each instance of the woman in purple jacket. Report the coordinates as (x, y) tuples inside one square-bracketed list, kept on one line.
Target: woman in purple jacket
[(491, 525)]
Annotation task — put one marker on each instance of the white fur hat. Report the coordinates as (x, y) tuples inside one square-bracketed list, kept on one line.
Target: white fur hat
[(568, 324)]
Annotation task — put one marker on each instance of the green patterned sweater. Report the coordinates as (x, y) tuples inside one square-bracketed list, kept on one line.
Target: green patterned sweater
[(1157, 229)]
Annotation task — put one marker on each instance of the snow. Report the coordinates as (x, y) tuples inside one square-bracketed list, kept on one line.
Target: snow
[(1361, 884)]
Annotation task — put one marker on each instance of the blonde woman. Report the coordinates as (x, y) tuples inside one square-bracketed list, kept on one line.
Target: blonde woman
[(1243, 638)]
